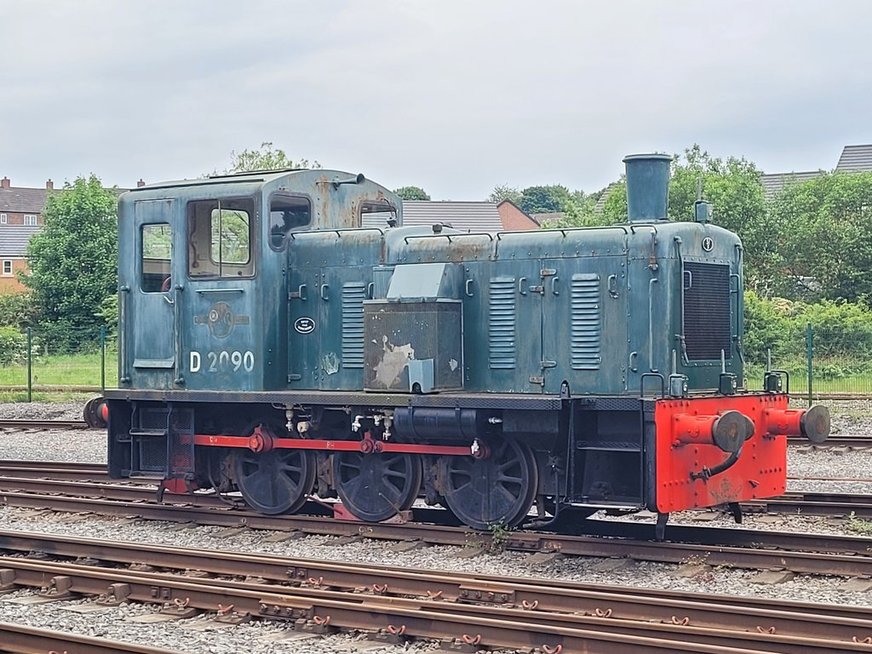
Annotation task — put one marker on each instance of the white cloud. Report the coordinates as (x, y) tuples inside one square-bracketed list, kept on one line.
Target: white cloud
[(453, 96)]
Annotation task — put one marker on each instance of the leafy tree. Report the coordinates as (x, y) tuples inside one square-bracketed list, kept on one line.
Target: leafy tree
[(545, 199), (267, 157), (17, 310), (821, 229), (505, 192), (412, 193), (73, 262), (733, 187)]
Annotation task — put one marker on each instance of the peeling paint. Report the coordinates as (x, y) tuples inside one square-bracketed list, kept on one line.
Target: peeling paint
[(393, 362), (452, 363), (330, 363)]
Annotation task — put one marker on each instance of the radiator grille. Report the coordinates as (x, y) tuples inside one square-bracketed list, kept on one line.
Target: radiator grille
[(353, 295), (586, 325), (501, 323), (706, 310)]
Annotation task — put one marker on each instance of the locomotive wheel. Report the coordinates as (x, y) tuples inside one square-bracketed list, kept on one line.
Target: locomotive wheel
[(498, 490), (375, 487), (275, 482)]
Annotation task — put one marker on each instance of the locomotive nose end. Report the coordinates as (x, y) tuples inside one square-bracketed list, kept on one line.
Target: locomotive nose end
[(815, 423), (731, 430)]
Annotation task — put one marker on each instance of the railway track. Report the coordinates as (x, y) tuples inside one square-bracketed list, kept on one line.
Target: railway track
[(740, 548), (835, 441), (833, 504), (19, 639), (459, 608), (8, 424)]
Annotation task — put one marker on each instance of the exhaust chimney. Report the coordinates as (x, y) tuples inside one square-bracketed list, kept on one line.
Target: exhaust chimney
[(5, 183), (647, 186), (49, 185)]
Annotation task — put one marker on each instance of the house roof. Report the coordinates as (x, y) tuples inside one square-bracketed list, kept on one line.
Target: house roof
[(601, 201), (14, 239), (855, 158), (465, 216), (22, 200), (774, 182)]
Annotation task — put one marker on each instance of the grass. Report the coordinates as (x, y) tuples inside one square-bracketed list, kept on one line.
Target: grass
[(63, 370), (84, 370), (859, 525)]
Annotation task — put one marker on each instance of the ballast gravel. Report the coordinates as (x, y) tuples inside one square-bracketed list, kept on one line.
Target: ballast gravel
[(256, 637)]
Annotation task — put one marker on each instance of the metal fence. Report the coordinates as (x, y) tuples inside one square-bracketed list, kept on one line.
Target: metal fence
[(57, 360), (821, 361)]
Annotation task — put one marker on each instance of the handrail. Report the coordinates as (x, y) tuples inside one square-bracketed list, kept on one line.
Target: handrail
[(308, 232), (448, 235)]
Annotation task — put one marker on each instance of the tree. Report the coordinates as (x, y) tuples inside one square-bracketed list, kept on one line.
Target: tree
[(505, 192), (267, 157), (822, 229), (733, 187), (545, 199), (73, 262), (412, 193)]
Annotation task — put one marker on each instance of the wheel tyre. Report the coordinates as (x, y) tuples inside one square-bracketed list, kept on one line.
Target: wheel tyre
[(375, 487), (275, 482)]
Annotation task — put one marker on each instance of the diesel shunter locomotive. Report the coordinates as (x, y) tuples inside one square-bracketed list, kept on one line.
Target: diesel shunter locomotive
[(283, 335)]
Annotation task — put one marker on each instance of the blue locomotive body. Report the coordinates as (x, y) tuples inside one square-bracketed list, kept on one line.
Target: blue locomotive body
[(272, 343)]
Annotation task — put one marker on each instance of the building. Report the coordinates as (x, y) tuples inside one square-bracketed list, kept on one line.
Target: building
[(854, 159), (20, 218), (515, 219), (480, 217)]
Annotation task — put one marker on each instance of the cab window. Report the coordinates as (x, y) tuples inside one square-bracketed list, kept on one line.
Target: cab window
[(378, 214), (157, 248), (220, 238), (287, 214)]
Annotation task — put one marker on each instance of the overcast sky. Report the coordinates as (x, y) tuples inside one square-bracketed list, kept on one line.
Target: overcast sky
[(454, 96)]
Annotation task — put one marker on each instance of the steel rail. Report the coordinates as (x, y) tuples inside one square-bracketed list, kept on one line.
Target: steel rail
[(802, 553), (57, 470), (19, 639), (833, 441), (478, 625), (55, 492), (699, 609), (58, 477), (25, 424)]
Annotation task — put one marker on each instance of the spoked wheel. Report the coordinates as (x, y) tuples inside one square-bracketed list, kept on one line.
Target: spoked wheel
[(497, 490), (375, 487), (277, 481)]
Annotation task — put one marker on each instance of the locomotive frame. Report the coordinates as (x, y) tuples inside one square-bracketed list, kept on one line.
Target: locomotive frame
[(275, 339)]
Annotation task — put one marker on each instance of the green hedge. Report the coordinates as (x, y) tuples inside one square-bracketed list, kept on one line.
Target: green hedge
[(842, 335)]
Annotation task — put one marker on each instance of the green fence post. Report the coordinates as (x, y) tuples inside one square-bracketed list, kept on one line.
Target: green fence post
[(29, 364), (809, 354), (102, 359)]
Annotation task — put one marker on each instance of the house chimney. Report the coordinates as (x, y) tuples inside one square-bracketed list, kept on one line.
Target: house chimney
[(4, 183), (140, 183), (49, 185)]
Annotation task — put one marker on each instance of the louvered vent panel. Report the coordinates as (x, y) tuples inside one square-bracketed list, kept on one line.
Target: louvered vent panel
[(353, 295), (586, 326), (706, 310), (501, 323)]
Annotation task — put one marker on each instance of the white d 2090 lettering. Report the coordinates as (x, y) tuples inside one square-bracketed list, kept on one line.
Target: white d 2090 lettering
[(195, 362)]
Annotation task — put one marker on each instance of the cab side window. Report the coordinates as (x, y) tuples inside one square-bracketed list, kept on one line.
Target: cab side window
[(287, 214), (378, 214), (220, 238), (155, 259)]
